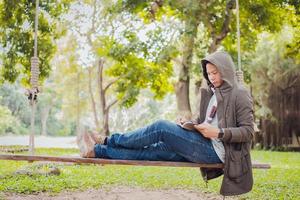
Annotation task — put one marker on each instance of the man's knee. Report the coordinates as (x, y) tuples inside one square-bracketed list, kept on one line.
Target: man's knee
[(162, 123)]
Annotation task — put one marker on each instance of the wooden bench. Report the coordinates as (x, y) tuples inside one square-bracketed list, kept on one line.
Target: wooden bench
[(98, 161)]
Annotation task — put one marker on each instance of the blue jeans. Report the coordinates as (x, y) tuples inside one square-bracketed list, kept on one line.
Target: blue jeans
[(161, 141)]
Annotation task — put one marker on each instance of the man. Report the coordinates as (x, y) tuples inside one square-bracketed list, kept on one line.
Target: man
[(222, 134)]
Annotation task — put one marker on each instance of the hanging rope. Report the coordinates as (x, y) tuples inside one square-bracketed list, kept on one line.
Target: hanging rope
[(239, 72), (32, 93)]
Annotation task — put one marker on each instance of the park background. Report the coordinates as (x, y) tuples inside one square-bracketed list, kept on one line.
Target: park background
[(114, 66)]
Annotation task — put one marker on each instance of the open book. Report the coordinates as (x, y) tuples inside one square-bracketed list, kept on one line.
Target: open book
[(188, 125)]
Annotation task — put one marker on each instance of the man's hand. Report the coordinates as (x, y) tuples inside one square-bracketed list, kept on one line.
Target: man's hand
[(181, 120), (207, 130)]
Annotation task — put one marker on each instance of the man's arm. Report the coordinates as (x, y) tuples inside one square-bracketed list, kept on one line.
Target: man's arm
[(244, 130)]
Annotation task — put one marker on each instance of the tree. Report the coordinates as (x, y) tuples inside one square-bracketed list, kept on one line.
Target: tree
[(14, 99), (276, 87), (127, 64), (7, 120), (15, 105), (215, 19), (95, 20), (16, 38), (46, 103), (132, 73), (294, 46)]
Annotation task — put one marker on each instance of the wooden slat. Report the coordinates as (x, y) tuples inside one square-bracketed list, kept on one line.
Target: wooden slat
[(261, 166), (116, 162)]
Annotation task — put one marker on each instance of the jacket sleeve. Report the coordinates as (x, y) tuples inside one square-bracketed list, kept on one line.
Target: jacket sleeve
[(244, 130)]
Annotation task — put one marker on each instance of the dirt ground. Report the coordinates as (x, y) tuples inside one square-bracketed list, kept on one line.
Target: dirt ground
[(121, 193)]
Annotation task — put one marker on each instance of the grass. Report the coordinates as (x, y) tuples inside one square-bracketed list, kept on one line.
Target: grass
[(282, 181)]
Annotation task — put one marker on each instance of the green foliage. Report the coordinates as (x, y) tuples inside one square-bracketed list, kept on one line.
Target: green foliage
[(16, 38), (13, 99), (137, 66), (255, 16), (294, 46), (145, 112), (263, 14), (68, 89), (6, 119), (272, 69), (282, 181)]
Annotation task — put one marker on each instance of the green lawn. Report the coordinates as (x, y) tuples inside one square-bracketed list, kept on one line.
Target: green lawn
[(280, 182)]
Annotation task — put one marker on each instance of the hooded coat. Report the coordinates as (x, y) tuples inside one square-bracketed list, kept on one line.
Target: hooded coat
[(235, 117)]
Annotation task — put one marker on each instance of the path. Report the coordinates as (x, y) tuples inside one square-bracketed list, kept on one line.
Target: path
[(123, 193), (40, 141)]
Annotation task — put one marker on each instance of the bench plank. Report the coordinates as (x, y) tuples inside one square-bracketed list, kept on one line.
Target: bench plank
[(80, 160)]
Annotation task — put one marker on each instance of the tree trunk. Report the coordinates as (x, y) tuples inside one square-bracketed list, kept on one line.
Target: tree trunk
[(104, 111), (44, 117), (284, 102), (106, 123), (182, 97), (266, 133), (183, 84), (104, 106), (93, 100), (78, 104), (102, 99)]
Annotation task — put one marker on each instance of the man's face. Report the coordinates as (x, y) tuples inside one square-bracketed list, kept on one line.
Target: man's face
[(214, 75)]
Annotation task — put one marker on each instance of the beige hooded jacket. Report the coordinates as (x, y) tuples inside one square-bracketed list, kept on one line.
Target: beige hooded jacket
[(235, 116)]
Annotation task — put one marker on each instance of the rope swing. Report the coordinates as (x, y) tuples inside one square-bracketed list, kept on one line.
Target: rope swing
[(32, 93), (239, 72)]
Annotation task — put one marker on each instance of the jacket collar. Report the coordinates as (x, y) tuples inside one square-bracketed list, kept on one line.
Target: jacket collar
[(224, 89)]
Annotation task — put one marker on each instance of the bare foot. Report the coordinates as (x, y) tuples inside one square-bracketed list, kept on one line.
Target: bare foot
[(97, 137), (86, 145)]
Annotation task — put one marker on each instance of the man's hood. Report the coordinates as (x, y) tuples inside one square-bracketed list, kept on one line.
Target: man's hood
[(224, 63)]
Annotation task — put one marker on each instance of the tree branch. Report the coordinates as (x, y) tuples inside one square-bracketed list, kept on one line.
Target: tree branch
[(154, 7), (225, 27), (110, 84), (92, 98), (92, 29), (79, 33), (100, 71), (291, 82), (100, 86), (111, 104)]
